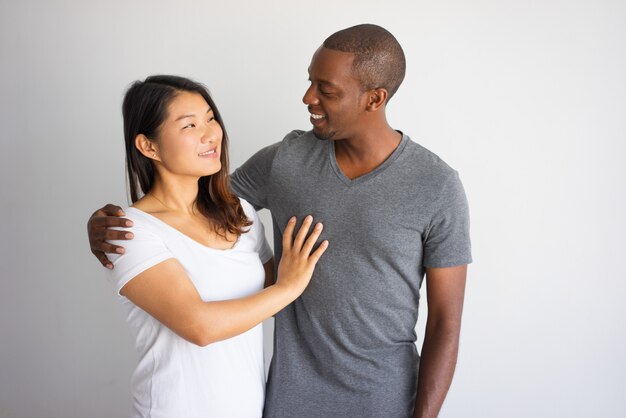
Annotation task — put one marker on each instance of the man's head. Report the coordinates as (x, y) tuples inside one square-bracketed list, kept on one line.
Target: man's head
[(378, 57), (353, 75)]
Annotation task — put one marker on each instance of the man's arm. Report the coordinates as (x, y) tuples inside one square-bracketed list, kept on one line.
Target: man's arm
[(99, 232), (269, 273), (445, 290)]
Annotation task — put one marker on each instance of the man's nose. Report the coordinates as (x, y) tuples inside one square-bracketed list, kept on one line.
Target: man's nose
[(310, 97)]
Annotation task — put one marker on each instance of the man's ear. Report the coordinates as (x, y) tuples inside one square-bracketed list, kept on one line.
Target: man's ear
[(147, 147), (377, 98)]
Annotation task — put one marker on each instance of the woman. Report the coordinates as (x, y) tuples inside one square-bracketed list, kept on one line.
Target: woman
[(192, 279)]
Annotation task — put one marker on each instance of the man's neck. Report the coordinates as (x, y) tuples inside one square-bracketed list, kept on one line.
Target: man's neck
[(361, 155)]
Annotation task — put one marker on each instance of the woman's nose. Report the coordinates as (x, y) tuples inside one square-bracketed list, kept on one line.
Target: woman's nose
[(211, 132)]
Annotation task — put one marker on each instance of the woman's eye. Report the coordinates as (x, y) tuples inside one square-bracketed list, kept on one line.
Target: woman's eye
[(191, 125), (211, 119)]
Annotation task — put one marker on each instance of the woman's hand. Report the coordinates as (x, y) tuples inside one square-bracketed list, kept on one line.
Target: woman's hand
[(298, 260), (166, 292)]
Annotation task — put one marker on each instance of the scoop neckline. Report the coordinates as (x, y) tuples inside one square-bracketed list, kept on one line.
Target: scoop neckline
[(225, 250)]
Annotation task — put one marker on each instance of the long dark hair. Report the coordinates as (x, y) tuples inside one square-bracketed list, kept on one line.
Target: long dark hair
[(144, 110)]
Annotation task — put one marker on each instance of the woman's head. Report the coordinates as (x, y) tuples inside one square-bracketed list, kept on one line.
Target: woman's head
[(172, 126), (151, 109)]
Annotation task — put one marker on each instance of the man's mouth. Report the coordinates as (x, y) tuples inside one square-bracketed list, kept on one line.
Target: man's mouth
[(317, 117)]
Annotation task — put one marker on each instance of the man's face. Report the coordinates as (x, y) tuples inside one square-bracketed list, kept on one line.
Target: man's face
[(334, 98)]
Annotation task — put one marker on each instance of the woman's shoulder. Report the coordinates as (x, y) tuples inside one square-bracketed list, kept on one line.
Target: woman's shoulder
[(248, 209), (142, 220), (257, 227)]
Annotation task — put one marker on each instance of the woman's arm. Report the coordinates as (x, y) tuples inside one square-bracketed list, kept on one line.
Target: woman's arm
[(166, 292)]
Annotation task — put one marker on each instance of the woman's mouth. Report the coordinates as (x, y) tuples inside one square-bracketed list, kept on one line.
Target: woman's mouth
[(209, 153)]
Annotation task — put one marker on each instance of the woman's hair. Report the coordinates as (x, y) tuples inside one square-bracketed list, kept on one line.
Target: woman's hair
[(144, 110)]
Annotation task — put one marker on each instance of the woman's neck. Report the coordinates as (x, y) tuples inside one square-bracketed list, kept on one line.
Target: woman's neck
[(175, 194)]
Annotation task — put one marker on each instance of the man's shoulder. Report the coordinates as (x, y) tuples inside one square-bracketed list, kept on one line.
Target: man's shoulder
[(293, 140), (295, 146), (298, 138), (294, 135), (423, 160)]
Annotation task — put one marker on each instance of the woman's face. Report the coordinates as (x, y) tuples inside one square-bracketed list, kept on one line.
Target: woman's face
[(190, 138)]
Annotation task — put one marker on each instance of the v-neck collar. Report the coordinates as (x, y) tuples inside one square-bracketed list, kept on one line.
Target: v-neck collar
[(350, 182)]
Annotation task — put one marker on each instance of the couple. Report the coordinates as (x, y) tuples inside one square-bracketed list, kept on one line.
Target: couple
[(392, 211)]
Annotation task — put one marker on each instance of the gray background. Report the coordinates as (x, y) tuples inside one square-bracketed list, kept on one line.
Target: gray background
[(526, 99)]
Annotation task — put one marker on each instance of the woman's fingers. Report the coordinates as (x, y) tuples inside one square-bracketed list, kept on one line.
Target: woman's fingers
[(288, 234), (318, 252), (302, 233), (302, 245), (312, 239)]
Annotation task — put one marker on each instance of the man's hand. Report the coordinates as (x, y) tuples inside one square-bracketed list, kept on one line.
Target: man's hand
[(99, 232)]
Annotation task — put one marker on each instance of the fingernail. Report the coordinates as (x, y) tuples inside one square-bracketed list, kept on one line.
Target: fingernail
[(292, 219), (128, 235), (319, 226), (309, 218), (109, 266), (119, 250), (129, 223)]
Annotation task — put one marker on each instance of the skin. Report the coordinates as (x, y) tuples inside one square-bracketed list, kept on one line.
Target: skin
[(188, 147), (356, 122), (445, 293), (352, 118)]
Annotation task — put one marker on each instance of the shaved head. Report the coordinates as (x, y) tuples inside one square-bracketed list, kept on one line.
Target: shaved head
[(379, 60)]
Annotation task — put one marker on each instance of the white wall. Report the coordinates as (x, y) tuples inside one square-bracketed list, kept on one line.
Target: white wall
[(526, 99)]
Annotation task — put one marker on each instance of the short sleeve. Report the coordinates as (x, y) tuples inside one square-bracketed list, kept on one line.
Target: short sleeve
[(251, 180), (447, 242), (262, 247), (145, 250)]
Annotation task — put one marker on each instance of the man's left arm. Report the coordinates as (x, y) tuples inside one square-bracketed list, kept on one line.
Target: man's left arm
[(445, 292)]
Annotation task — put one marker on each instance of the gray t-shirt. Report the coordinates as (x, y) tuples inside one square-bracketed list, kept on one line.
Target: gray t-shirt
[(345, 348)]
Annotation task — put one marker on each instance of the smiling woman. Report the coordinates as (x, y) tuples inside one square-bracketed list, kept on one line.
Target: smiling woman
[(192, 280)]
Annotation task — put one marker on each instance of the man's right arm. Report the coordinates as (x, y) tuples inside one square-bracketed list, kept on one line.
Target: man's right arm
[(98, 229)]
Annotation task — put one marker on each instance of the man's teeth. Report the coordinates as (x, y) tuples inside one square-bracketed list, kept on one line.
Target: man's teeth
[(207, 152), (316, 117)]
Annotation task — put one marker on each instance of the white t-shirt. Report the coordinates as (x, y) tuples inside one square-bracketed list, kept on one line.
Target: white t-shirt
[(175, 378)]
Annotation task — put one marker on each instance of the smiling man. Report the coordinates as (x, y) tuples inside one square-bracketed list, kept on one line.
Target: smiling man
[(393, 212)]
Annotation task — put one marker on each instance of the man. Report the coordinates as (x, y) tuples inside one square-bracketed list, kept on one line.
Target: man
[(391, 210)]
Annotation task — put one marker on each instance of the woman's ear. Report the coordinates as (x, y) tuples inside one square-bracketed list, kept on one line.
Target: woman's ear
[(147, 147)]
